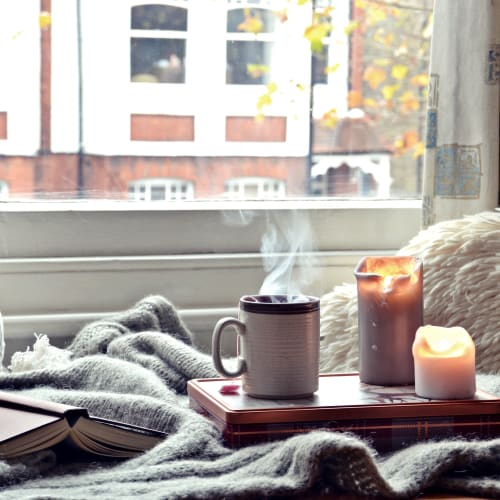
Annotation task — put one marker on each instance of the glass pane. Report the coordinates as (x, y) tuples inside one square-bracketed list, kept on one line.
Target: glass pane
[(160, 59), (159, 17), (319, 63), (158, 193), (240, 20), (248, 62)]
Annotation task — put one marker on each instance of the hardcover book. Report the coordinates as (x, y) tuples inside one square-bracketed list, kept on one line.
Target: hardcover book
[(389, 417), (28, 425)]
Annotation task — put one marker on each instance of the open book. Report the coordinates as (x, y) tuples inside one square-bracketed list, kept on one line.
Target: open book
[(28, 425)]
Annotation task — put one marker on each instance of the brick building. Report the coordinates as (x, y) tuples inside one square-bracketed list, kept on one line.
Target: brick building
[(129, 100)]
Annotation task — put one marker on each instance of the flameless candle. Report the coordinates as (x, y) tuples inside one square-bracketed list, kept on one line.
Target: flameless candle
[(390, 310), (445, 363)]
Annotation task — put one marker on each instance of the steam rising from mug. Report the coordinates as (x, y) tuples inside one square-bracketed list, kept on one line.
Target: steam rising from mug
[(286, 251)]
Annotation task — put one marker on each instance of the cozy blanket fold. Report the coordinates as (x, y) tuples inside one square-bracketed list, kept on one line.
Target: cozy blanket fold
[(135, 366)]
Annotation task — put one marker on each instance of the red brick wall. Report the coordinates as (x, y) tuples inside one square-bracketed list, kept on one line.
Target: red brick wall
[(249, 129), (34, 175), (3, 125), (356, 49), (161, 128), (112, 174), (106, 176), (45, 79)]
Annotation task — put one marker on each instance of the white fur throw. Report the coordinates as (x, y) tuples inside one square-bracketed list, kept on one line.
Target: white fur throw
[(461, 288)]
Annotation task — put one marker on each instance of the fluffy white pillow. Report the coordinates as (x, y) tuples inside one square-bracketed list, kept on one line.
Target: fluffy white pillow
[(461, 288)]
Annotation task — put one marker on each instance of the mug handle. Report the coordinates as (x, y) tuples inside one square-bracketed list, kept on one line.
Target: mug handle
[(216, 338)]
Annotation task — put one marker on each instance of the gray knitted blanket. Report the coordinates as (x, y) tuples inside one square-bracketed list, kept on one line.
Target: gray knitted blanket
[(134, 367)]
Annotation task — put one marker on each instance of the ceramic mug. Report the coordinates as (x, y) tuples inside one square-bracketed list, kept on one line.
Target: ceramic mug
[(278, 345)]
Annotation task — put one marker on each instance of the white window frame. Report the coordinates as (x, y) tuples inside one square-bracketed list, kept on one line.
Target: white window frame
[(175, 189), (4, 190), (265, 187), (65, 264)]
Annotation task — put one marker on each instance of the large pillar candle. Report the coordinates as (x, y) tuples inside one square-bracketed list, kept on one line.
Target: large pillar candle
[(390, 310), (445, 363)]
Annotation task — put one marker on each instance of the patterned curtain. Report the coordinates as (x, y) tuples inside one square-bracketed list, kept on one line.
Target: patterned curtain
[(461, 166)]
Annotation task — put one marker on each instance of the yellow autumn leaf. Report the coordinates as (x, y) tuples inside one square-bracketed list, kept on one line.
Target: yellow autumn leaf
[(315, 33), (259, 117), (272, 87), (264, 100), (375, 15), (409, 102), (410, 138), (351, 26), (420, 80), (44, 20), (326, 12), (398, 146), (354, 99), (251, 24), (418, 149), (330, 118), (370, 103), (384, 38), (374, 76), (381, 62), (257, 70), (388, 91), (399, 71), (332, 68)]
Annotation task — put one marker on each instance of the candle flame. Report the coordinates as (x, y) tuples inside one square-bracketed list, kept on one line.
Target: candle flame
[(388, 281), (391, 268)]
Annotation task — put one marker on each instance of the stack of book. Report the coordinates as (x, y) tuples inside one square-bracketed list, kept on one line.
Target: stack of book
[(389, 417)]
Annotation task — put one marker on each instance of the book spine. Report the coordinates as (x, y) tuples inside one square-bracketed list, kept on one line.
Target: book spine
[(383, 435)]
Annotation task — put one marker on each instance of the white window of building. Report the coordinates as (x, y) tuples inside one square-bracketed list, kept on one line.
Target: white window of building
[(249, 47), (160, 190), (4, 190), (255, 188), (158, 43)]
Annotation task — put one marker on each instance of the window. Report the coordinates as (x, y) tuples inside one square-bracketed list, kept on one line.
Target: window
[(160, 190), (122, 104), (4, 190), (249, 55), (255, 188), (158, 44)]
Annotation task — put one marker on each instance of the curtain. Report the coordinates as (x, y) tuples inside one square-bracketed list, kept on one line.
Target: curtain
[(461, 162)]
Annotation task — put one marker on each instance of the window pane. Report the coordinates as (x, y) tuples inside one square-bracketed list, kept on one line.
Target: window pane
[(248, 62), (160, 58), (261, 20), (159, 17)]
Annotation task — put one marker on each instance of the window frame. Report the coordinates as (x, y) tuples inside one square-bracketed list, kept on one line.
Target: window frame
[(63, 264)]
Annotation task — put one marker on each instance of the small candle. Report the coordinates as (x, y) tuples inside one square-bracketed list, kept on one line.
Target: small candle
[(390, 310), (445, 363)]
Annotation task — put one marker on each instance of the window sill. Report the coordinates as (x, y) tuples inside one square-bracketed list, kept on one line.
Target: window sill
[(63, 265)]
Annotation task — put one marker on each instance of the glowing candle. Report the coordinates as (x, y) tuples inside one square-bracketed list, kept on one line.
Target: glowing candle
[(445, 363), (390, 310)]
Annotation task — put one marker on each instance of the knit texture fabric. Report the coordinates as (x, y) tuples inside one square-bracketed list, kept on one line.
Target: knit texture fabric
[(135, 366)]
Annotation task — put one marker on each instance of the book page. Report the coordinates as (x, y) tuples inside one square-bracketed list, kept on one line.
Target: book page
[(114, 440), (24, 432)]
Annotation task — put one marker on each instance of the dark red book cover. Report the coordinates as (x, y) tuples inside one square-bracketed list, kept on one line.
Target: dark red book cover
[(389, 417)]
